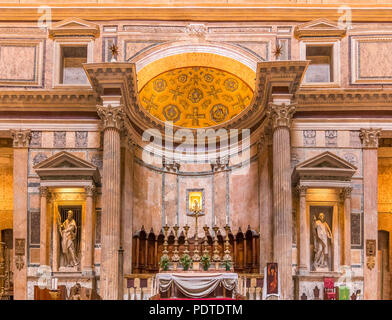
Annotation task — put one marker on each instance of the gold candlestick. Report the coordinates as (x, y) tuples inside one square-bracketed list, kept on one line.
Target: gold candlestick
[(186, 244), (216, 256), (205, 251), (175, 257), (227, 255), (197, 212), (165, 242)]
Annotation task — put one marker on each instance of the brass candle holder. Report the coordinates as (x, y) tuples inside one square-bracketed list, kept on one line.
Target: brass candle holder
[(205, 251), (175, 257), (227, 256), (186, 244), (165, 242), (216, 256)]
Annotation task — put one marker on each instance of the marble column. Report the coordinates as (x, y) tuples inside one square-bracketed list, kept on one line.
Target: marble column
[(370, 206), (88, 224), (346, 197), (127, 203), (21, 155), (265, 189), (112, 119), (304, 236), (44, 227), (280, 117)]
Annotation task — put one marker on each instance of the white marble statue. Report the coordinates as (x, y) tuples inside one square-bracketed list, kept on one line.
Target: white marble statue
[(321, 234)]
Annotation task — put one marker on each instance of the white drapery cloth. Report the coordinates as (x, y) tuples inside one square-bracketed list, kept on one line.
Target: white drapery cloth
[(197, 285)]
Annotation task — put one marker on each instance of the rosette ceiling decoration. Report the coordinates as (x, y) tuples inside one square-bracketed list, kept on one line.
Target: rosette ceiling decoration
[(195, 97)]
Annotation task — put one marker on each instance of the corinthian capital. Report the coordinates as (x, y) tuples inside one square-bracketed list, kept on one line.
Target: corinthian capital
[(370, 137), (90, 191), (346, 193), (21, 137), (280, 115), (112, 117)]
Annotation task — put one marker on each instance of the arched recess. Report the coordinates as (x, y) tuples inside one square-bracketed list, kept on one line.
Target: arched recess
[(172, 55)]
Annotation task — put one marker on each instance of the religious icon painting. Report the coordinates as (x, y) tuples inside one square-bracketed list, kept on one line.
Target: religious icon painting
[(272, 278)]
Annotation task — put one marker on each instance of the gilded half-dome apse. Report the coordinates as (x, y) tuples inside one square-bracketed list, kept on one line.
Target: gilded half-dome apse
[(195, 97)]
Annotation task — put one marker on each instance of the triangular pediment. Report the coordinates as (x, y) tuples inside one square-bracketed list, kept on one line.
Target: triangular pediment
[(325, 165), (66, 164), (74, 27), (320, 28)]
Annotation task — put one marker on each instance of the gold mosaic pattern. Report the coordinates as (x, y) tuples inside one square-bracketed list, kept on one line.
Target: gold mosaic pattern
[(195, 97)]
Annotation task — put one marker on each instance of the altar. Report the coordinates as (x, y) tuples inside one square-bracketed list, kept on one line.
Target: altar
[(196, 285)]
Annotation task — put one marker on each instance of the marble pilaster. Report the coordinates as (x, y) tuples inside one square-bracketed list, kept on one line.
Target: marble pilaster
[(346, 197), (44, 235), (304, 249), (21, 140), (280, 116), (88, 232), (370, 206), (112, 119)]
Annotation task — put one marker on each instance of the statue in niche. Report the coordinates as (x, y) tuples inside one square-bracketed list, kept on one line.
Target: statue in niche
[(321, 234), (68, 231)]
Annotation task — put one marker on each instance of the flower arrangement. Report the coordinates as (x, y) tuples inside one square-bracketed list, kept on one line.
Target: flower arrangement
[(206, 261), (227, 263), (164, 263), (185, 261)]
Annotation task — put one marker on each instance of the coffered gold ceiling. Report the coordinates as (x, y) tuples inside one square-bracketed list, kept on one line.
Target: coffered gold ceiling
[(195, 97)]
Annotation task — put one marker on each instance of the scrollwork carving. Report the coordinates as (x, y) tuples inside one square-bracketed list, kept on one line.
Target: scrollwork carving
[(21, 137)]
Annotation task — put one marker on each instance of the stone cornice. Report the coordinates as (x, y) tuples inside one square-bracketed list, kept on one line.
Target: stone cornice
[(372, 11), (334, 99), (48, 100)]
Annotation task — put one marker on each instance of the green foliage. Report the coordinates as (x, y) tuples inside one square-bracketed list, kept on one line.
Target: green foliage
[(227, 264), (206, 261), (164, 263), (185, 261)]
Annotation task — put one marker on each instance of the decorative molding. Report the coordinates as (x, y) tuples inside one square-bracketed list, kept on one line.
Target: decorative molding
[(66, 166), (112, 117), (352, 99), (280, 115), (222, 164), (170, 165), (319, 28), (47, 100), (370, 138), (196, 29), (73, 27), (21, 137), (324, 166)]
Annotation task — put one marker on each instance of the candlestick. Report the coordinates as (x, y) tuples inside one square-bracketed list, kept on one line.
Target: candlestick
[(216, 256), (227, 255), (165, 242), (175, 256), (205, 251), (186, 244)]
